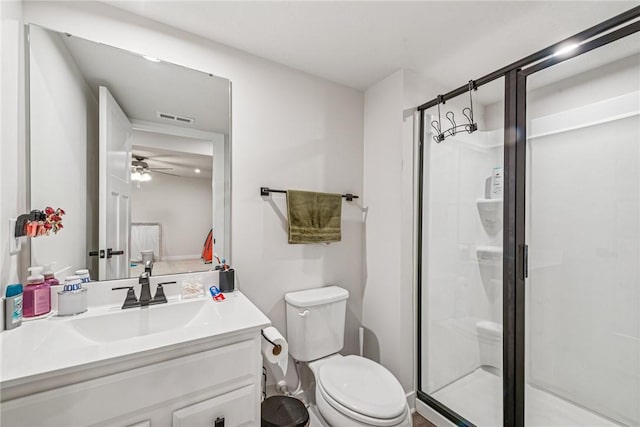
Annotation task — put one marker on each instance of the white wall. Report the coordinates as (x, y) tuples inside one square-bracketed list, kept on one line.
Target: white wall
[(64, 135), (388, 197), (12, 151), (182, 206), (217, 148), (290, 130)]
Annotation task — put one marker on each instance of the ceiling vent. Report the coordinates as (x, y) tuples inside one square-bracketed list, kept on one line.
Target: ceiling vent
[(175, 118)]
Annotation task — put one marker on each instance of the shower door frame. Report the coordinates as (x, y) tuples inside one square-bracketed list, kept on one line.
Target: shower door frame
[(515, 251)]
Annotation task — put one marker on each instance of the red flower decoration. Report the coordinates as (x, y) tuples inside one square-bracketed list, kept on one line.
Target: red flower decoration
[(53, 221)]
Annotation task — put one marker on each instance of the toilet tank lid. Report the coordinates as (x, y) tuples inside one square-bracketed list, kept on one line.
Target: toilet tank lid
[(318, 296)]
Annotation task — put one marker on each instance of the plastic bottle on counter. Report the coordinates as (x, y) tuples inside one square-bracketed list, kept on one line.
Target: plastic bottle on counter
[(13, 306), (37, 295), (49, 275), (72, 299), (84, 275)]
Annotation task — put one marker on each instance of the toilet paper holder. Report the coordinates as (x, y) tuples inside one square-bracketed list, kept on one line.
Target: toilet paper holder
[(277, 348)]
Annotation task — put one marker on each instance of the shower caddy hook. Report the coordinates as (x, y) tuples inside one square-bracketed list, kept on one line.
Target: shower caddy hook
[(467, 112)]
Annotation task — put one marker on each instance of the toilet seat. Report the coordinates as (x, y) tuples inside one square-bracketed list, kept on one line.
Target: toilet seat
[(362, 390), (345, 416)]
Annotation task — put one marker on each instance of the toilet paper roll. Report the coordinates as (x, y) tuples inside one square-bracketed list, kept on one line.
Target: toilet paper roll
[(275, 348)]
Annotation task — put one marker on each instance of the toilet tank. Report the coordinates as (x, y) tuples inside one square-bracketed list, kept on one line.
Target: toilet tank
[(315, 322)]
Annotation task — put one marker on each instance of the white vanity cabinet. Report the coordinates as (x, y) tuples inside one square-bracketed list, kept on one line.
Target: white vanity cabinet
[(221, 384), (210, 381)]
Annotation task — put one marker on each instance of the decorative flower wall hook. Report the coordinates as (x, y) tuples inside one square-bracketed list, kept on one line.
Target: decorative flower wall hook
[(52, 221)]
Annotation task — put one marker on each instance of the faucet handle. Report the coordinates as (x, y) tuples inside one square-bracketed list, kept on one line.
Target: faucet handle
[(130, 300), (160, 297)]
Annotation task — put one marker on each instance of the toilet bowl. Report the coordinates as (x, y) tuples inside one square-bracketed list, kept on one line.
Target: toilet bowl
[(350, 391), (353, 391)]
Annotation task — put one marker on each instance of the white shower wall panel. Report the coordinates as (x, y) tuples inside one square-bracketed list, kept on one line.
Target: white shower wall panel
[(584, 283), (583, 231), (454, 294)]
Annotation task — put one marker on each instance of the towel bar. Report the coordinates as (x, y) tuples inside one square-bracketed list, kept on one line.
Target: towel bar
[(264, 191)]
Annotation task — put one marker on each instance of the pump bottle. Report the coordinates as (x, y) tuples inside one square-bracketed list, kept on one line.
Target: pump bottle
[(37, 295)]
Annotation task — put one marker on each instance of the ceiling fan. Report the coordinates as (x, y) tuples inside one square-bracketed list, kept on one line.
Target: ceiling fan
[(140, 169)]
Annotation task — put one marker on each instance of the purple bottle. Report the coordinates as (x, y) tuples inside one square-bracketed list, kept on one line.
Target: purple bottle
[(37, 295), (48, 274)]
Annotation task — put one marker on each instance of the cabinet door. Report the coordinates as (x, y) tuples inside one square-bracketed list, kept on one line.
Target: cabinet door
[(146, 393), (232, 407)]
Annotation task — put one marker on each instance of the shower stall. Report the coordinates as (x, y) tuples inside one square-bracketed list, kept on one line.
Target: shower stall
[(529, 239)]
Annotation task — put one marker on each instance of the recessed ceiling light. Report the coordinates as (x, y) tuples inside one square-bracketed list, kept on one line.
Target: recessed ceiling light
[(563, 50), (150, 58), (196, 170)]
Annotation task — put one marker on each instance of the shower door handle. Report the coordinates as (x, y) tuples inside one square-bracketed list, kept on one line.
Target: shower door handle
[(525, 261)]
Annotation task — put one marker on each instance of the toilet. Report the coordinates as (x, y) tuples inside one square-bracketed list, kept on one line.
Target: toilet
[(350, 391), (490, 343)]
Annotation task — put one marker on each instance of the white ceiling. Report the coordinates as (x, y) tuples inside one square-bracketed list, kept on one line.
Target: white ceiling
[(176, 163), (143, 88), (357, 43)]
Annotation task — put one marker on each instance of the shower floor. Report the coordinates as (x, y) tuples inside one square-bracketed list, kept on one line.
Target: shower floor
[(478, 397)]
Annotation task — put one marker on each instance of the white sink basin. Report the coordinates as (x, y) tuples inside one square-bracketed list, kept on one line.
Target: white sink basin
[(135, 322), (106, 333)]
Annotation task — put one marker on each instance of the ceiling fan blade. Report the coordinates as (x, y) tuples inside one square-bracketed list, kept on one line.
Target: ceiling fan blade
[(163, 173), (157, 169)]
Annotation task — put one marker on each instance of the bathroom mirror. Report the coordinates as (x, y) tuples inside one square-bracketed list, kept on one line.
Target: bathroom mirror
[(137, 153)]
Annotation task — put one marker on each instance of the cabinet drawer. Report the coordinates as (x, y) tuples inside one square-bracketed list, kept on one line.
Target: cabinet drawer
[(130, 392), (233, 407)]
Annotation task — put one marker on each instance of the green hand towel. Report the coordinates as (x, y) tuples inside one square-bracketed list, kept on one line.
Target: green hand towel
[(314, 217)]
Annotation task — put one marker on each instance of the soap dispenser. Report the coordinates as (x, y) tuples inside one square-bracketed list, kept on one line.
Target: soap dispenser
[(49, 275), (37, 295)]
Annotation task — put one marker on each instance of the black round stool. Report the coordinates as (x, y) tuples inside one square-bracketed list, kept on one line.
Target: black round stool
[(284, 411)]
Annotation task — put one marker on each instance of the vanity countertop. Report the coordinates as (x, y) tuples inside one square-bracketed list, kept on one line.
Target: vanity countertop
[(55, 346)]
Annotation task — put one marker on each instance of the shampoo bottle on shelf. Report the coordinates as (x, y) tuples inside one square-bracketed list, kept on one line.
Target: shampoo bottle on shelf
[(497, 183), (37, 295)]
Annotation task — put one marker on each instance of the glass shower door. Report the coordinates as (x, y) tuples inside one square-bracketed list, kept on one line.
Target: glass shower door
[(461, 265), (583, 232)]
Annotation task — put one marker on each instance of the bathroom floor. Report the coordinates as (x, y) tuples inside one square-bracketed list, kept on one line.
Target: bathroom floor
[(419, 421), (478, 396)]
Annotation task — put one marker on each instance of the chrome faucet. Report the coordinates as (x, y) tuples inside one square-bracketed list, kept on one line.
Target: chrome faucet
[(145, 293), (148, 266)]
